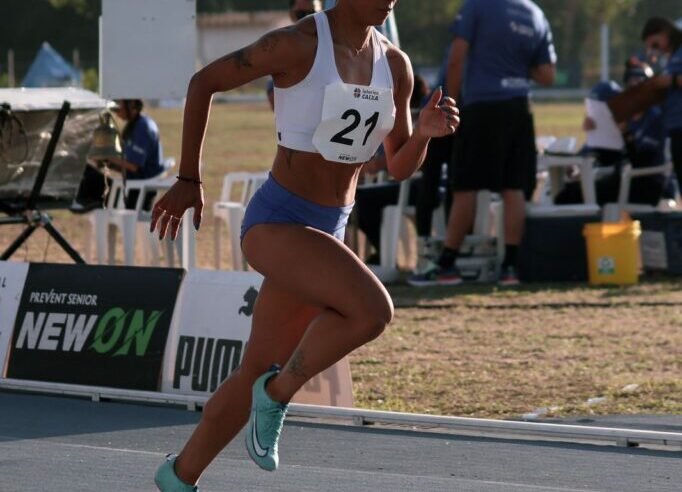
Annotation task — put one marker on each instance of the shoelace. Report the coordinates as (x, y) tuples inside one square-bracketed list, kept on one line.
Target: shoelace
[(275, 423)]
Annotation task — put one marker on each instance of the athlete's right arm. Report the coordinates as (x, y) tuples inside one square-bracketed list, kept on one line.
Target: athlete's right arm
[(277, 53), (273, 54)]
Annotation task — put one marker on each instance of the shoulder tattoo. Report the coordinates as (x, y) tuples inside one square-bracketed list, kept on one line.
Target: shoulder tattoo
[(241, 58)]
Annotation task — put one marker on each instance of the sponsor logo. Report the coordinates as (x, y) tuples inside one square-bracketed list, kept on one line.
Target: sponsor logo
[(250, 299), (366, 94), (205, 361), (260, 451), (347, 158), (117, 333), (522, 29), (114, 334), (606, 265)]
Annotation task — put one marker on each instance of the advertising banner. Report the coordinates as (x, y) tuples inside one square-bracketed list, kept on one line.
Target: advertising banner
[(94, 325), (210, 330), (12, 279)]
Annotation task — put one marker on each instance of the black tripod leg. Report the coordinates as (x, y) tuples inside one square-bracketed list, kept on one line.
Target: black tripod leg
[(77, 258), (16, 244)]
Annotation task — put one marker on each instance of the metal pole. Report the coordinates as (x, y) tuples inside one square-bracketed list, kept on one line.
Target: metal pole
[(100, 73), (11, 82), (605, 55), (188, 259), (49, 153)]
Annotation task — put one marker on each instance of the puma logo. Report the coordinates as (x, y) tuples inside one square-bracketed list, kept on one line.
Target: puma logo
[(250, 299)]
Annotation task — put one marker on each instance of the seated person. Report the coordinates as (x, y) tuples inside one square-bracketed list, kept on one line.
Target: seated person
[(142, 152), (142, 159), (645, 138), (91, 191)]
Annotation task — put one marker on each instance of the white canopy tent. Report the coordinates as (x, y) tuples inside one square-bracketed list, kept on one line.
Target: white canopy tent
[(51, 99)]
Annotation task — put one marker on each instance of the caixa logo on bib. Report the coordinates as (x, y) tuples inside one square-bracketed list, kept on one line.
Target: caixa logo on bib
[(97, 326)]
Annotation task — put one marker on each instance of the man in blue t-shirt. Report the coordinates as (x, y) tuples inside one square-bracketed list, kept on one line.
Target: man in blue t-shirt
[(142, 154), (499, 46), (142, 158)]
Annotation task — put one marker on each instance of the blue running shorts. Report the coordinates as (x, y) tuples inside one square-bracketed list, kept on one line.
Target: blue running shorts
[(274, 204)]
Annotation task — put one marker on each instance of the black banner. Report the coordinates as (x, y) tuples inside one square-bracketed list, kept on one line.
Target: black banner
[(94, 325)]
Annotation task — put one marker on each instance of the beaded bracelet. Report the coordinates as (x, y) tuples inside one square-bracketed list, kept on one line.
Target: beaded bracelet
[(189, 180)]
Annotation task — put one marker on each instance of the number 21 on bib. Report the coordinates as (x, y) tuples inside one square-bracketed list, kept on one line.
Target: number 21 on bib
[(355, 121)]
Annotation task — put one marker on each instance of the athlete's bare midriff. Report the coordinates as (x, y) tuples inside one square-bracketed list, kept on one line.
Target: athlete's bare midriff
[(310, 176)]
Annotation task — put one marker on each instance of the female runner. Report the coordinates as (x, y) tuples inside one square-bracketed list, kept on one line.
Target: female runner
[(341, 90)]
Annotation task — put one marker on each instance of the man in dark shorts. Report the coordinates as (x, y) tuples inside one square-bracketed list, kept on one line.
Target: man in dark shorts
[(499, 46)]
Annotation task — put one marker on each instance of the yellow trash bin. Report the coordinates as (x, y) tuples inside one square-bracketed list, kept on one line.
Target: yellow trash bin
[(613, 252)]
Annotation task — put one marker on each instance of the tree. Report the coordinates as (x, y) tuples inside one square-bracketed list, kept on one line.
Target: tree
[(416, 19), (605, 10), (87, 8)]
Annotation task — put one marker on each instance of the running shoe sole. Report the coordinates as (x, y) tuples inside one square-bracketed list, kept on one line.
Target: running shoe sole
[(431, 283)]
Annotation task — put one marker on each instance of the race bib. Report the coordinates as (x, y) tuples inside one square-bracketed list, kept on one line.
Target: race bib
[(355, 121)]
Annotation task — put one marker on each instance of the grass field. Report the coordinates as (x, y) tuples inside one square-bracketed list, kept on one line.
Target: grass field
[(476, 350)]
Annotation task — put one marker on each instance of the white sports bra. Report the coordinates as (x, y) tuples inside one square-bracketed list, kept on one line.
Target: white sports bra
[(344, 122)]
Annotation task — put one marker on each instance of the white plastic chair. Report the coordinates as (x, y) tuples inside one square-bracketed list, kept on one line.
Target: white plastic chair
[(552, 165), (115, 217), (542, 142), (486, 243), (184, 246), (231, 212), (614, 211), (392, 223)]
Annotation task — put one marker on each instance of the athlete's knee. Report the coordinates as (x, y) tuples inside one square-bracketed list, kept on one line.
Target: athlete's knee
[(376, 317)]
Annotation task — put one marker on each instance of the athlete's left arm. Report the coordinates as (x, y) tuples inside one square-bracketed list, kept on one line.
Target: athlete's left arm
[(405, 148)]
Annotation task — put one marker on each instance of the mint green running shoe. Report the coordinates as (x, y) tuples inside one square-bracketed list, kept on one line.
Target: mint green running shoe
[(166, 479), (265, 424)]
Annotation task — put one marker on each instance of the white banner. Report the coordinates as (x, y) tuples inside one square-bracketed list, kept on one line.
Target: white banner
[(12, 280), (209, 331), (147, 48)]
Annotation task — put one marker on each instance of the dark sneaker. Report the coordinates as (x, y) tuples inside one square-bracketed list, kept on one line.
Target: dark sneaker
[(436, 276), (84, 208), (508, 277)]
